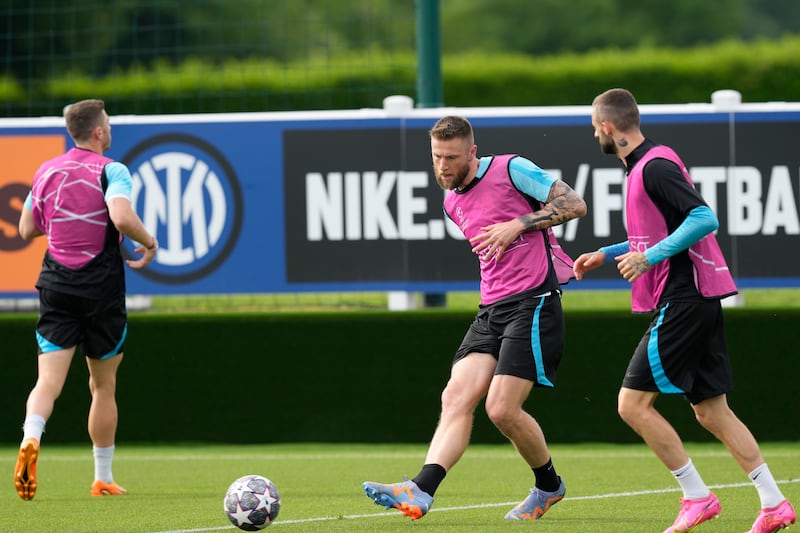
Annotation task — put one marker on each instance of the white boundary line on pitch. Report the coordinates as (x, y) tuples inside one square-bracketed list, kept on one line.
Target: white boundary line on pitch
[(476, 506), (132, 456)]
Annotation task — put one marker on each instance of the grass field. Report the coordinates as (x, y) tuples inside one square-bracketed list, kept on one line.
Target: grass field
[(573, 300), (180, 488)]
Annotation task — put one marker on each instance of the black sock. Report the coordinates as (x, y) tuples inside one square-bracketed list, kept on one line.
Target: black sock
[(430, 477), (546, 477)]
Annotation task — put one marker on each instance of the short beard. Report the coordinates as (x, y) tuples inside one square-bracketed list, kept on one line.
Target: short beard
[(457, 182), (608, 147)]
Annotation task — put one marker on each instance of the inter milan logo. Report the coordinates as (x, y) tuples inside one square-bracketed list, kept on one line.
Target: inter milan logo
[(187, 195)]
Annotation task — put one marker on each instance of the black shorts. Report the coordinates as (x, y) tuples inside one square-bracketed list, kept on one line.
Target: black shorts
[(683, 352), (65, 320), (524, 333)]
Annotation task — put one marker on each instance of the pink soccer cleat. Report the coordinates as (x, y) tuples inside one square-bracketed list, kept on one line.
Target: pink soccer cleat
[(695, 512), (774, 518)]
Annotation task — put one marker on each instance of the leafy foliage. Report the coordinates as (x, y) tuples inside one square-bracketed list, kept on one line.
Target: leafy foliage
[(762, 71), (156, 56)]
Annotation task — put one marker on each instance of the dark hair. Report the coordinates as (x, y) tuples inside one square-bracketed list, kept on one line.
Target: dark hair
[(83, 117), (619, 107), (452, 127)]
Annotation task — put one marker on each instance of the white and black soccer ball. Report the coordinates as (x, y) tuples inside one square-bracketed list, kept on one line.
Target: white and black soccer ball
[(252, 502)]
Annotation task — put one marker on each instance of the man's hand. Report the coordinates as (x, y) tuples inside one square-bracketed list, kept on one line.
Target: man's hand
[(148, 255), (496, 238), (586, 262), (632, 265)]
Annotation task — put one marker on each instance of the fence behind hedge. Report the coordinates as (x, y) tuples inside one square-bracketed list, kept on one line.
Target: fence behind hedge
[(761, 71)]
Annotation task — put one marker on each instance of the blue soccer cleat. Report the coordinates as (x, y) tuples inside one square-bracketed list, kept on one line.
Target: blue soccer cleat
[(536, 504), (406, 497)]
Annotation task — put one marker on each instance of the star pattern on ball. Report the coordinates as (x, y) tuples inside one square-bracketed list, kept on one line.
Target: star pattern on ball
[(241, 516), (266, 500), (252, 502)]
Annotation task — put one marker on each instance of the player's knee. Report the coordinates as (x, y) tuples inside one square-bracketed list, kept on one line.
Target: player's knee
[(48, 388), (711, 420), (106, 386), (501, 414), (628, 412), (457, 399), (714, 414)]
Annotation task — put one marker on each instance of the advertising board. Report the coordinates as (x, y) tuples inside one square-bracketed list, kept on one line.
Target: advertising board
[(347, 200)]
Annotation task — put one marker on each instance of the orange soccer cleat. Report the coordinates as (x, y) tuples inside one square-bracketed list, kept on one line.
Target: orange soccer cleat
[(25, 471), (101, 488)]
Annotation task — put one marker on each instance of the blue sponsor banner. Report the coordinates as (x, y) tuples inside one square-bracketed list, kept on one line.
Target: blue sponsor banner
[(347, 201)]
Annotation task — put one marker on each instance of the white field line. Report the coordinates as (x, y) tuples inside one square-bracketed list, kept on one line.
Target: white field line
[(476, 506), (122, 455)]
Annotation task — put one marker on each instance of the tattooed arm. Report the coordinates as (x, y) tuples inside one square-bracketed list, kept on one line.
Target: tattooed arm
[(562, 204)]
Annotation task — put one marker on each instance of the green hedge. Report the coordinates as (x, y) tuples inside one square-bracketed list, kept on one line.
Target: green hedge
[(762, 71), (375, 377)]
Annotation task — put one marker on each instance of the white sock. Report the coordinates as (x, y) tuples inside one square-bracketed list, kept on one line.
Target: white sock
[(33, 427), (690, 481), (765, 484), (102, 463)]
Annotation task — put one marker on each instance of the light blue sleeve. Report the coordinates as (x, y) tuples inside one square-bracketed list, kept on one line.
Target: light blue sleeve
[(119, 181), (699, 222), (29, 201), (530, 179), (614, 250)]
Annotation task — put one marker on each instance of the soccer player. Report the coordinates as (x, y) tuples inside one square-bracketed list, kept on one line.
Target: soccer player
[(505, 206), (676, 271), (81, 201)]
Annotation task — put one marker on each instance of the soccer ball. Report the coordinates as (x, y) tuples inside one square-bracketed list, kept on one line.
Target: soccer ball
[(252, 502)]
